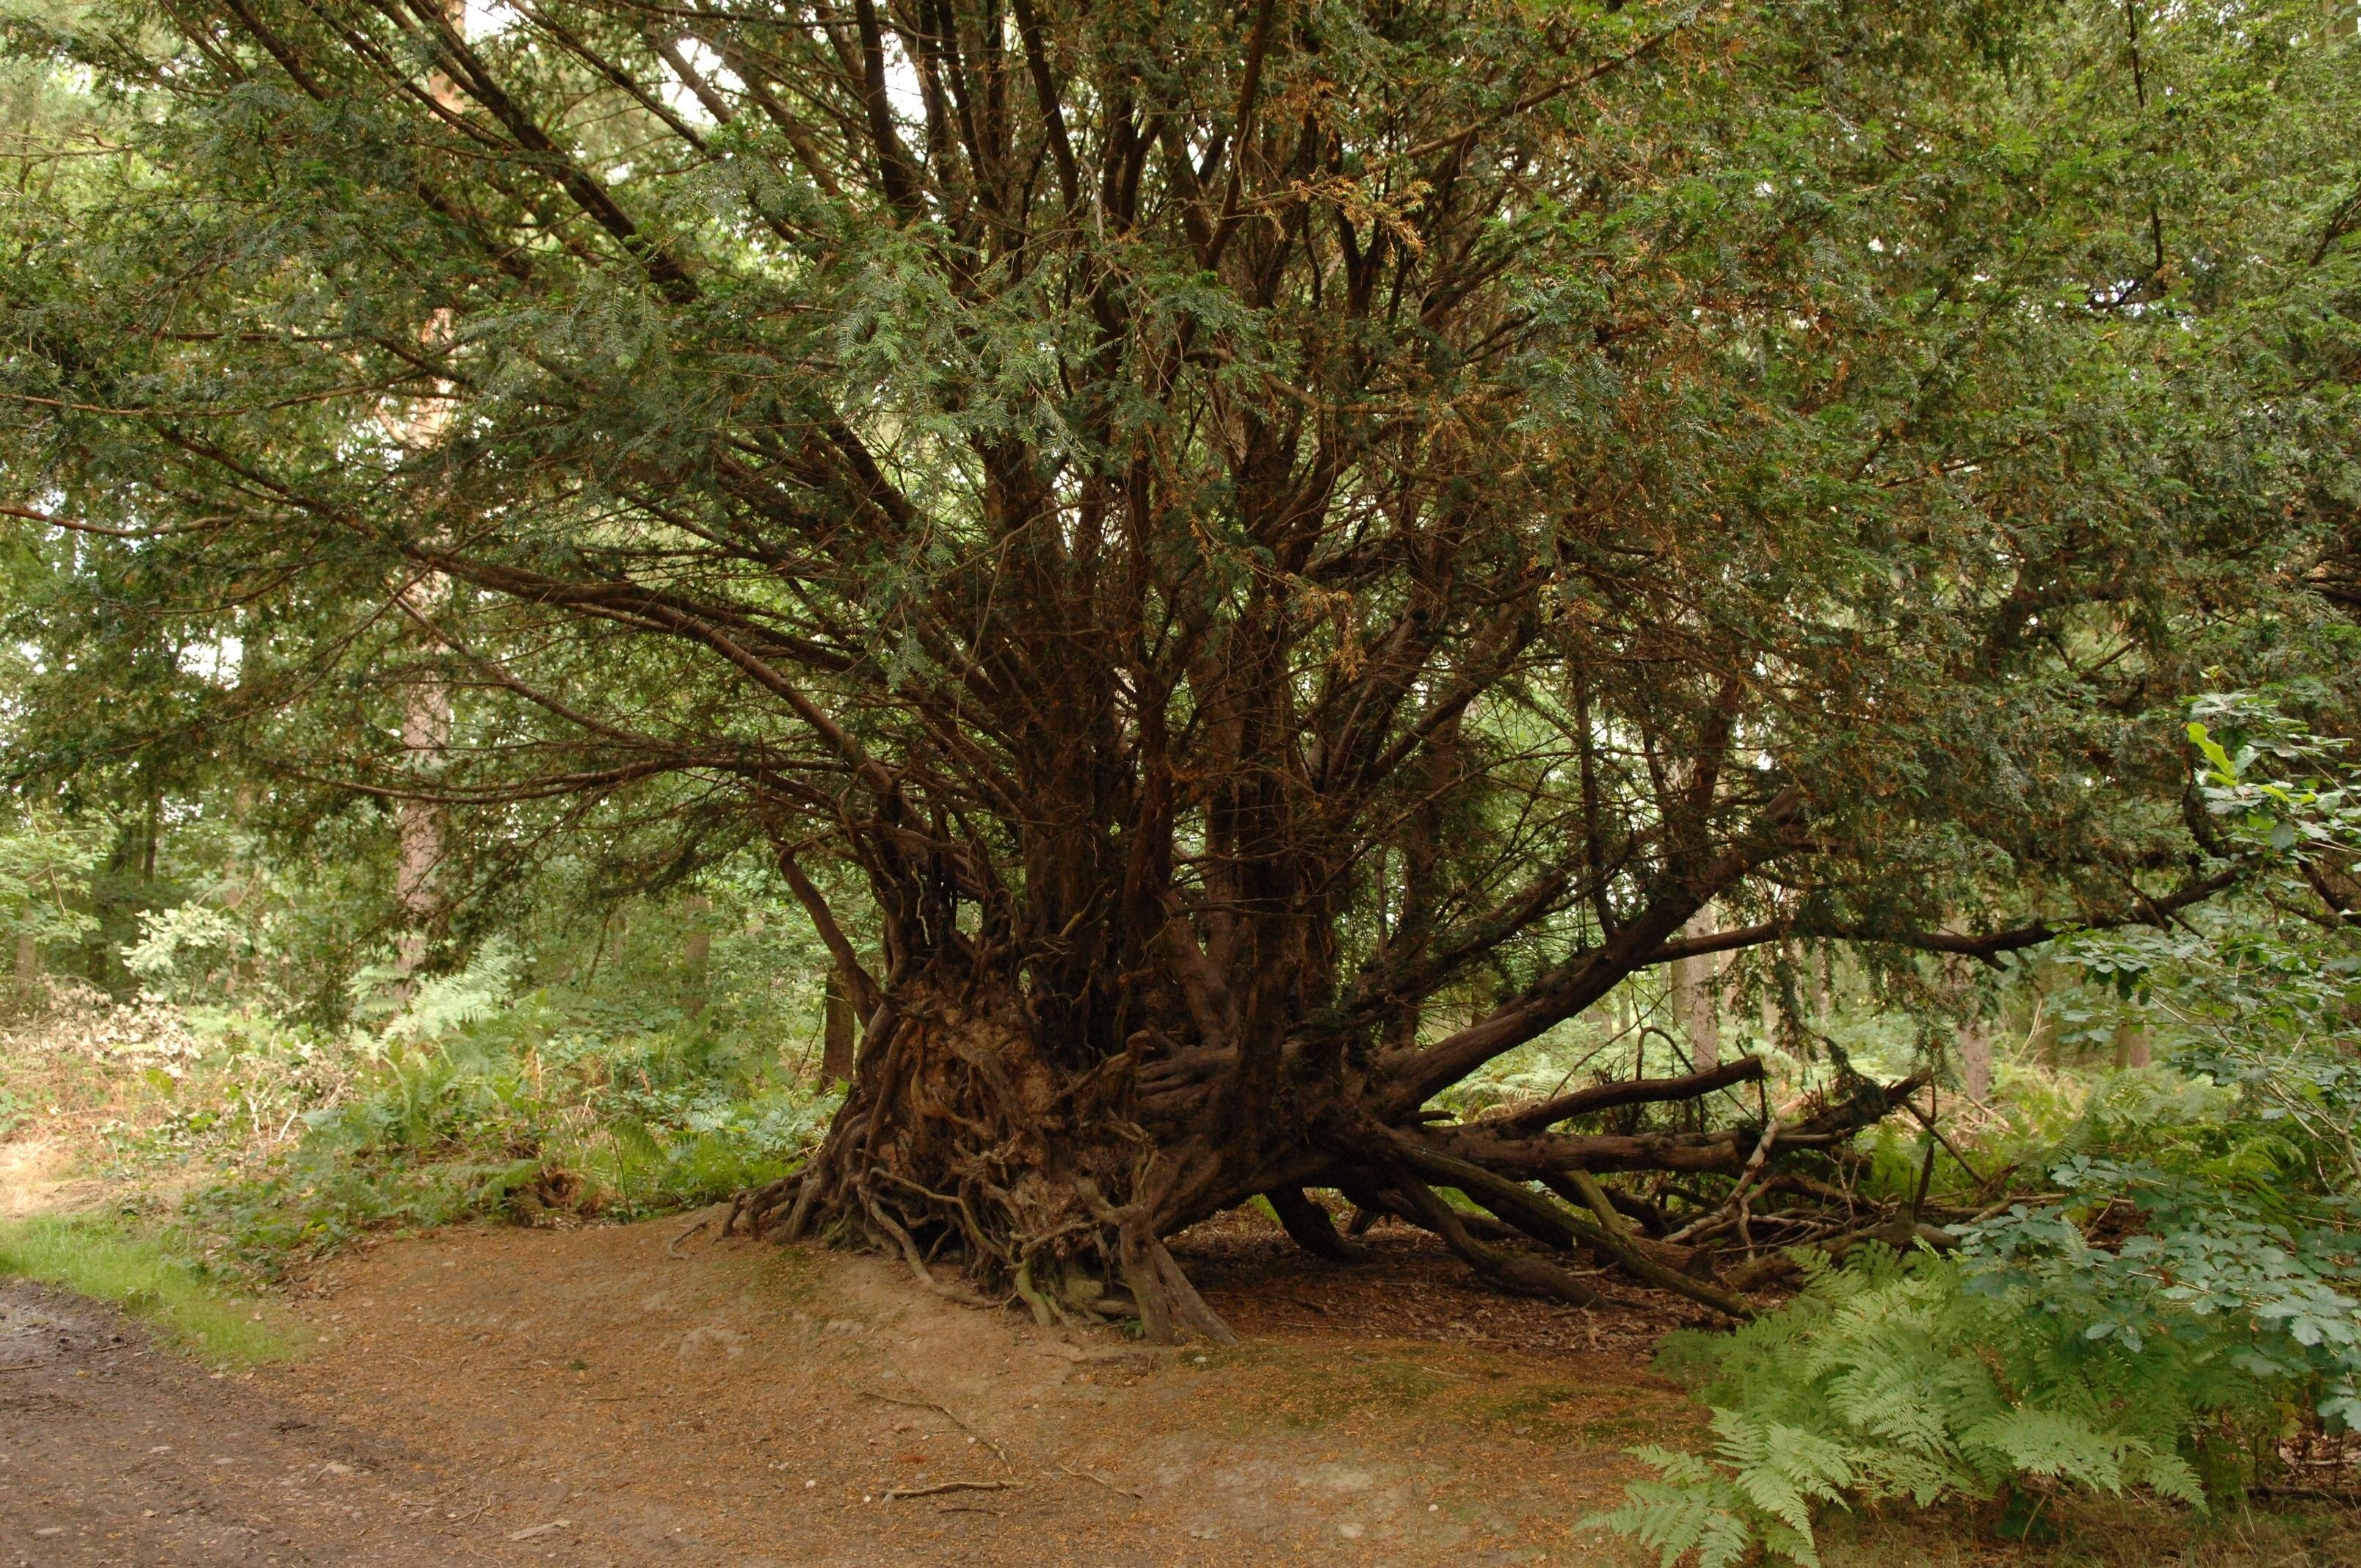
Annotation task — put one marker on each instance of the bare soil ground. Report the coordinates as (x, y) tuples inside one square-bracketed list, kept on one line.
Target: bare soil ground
[(587, 1397), (596, 1396)]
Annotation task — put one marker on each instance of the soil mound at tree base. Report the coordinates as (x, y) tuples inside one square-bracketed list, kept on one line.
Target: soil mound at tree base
[(746, 1404)]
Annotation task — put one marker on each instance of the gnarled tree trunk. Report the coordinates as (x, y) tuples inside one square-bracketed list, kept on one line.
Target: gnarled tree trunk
[(974, 1137)]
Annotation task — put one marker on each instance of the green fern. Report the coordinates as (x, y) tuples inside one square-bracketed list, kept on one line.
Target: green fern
[(1895, 1378), (1694, 1508)]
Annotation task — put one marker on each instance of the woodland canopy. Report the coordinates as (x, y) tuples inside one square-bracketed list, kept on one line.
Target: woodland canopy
[(1242, 560)]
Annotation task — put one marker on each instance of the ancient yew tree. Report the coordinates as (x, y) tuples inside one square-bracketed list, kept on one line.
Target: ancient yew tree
[(1246, 559)]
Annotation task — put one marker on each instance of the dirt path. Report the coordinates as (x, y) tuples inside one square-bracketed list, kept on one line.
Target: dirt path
[(113, 1453), (519, 1397), (515, 1397)]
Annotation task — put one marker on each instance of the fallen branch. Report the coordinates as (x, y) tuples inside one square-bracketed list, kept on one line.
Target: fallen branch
[(1102, 1480), (1982, 1182), (898, 1493), (944, 1411), (1898, 1232), (1734, 1203), (672, 1247), (1614, 1239)]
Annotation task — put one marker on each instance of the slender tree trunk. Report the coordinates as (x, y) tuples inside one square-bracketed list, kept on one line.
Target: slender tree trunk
[(1976, 1059), (697, 953), (1695, 996), (2132, 1048), (426, 704), (151, 833), (836, 1037), (29, 960), (425, 735), (1975, 1047)]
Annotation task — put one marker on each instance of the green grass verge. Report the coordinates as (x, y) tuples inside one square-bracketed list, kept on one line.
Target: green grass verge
[(131, 1268)]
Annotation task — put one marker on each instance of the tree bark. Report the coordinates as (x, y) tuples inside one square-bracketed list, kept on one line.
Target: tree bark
[(1975, 1048), (697, 953), (425, 737), (1311, 1227), (836, 1032), (1976, 1059), (1696, 985)]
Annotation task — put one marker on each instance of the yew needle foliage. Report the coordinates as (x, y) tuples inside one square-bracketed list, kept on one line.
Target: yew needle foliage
[(1279, 551)]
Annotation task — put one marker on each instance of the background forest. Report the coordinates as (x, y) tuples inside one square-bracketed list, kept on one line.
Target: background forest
[(2139, 1166), (1716, 642)]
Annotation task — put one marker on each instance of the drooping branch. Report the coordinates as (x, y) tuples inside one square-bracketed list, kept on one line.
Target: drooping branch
[(1636, 1091), (1512, 1271), (1534, 1155), (1413, 1076), (1988, 945)]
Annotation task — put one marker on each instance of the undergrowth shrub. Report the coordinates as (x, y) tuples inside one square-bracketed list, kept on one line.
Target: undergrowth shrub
[(470, 1099), (507, 1116), (1891, 1378), (497, 1090), (2034, 1359)]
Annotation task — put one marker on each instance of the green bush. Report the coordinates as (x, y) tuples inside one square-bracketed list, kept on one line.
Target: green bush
[(471, 1101), (494, 1121), (2033, 1359)]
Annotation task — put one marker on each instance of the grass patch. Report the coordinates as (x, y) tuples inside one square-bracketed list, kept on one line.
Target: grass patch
[(180, 1300)]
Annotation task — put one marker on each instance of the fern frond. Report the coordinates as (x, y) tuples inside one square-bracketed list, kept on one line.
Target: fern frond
[(1783, 1470), (2167, 1475), (2050, 1443), (1672, 1521), (1727, 1540)]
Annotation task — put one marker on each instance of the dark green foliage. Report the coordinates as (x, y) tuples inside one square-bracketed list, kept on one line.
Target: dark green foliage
[(1918, 401)]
